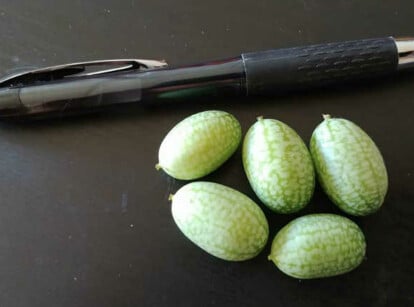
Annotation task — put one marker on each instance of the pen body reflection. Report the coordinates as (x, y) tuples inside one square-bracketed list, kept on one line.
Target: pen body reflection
[(90, 93)]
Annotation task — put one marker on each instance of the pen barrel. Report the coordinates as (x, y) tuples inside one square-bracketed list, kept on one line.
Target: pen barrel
[(87, 94), (318, 65)]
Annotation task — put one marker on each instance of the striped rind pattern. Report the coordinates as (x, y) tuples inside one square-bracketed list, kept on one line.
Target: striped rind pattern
[(318, 245), (349, 166), (199, 144), (278, 166), (220, 220)]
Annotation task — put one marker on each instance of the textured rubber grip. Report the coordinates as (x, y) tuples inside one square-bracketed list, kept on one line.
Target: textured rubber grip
[(318, 65)]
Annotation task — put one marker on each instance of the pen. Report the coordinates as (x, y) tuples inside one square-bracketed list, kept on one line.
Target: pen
[(85, 86)]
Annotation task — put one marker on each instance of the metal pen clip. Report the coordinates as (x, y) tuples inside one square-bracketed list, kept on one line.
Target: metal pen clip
[(78, 69)]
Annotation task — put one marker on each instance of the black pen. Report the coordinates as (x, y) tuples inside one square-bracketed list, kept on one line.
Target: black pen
[(74, 88)]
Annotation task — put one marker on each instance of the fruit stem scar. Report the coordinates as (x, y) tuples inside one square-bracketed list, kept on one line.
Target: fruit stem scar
[(326, 116), (158, 166), (259, 118), (170, 197)]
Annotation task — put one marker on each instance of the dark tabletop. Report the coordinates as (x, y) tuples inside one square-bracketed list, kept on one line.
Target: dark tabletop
[(84, 216)]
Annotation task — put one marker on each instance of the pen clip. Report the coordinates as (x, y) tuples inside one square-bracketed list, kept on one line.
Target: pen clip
[(74, 70)]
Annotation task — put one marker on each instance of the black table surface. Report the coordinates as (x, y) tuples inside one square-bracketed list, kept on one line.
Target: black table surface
[(84, 216)]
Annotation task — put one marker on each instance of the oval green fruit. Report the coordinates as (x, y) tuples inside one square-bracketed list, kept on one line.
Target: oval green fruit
[(318, 245), (278, 166), (199, 144), (220, 220), (349, 166)]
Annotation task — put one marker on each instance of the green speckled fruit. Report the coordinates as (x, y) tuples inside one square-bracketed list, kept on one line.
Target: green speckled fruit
[(318, 245), (278, 166), (199, 144), (220, 220), (349, 166)]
